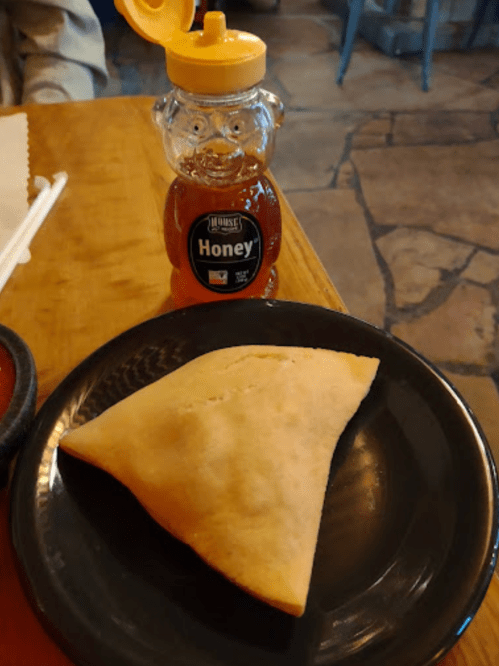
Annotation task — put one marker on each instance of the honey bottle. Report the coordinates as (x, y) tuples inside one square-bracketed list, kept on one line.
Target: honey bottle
[(222, 214)]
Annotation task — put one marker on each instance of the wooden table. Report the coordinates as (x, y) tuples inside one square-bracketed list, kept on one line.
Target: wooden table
[(99, 267)]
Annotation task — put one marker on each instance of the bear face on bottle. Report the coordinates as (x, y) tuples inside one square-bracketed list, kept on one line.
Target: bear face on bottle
[(214, 142)]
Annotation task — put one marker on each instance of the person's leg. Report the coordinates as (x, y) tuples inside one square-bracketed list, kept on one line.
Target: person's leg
[(61, 48)]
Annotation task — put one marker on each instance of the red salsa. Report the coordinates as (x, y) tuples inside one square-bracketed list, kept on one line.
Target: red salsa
[(7, 379)]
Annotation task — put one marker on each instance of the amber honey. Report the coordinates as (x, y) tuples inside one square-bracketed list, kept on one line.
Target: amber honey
[(223, 242)]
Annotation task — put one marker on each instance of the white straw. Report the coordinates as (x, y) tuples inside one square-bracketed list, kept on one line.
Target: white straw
[(26, 231)]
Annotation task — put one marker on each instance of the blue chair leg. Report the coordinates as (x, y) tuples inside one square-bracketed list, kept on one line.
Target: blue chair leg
[(348, 38), (391, 6), (429, 30), (478, 17)]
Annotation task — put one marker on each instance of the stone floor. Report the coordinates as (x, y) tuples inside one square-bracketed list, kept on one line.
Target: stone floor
[(397, 189)]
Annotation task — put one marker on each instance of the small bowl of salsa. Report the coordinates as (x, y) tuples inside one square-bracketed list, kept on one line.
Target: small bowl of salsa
[(18, 388)]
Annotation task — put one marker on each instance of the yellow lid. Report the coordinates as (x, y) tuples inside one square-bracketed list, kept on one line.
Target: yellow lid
[(157, 20), (214, 60)]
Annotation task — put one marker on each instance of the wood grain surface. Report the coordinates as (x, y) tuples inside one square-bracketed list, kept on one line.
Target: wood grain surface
[(99, 264), (99, 267)]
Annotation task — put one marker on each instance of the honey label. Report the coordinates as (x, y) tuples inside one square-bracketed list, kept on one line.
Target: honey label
[(225, 250)]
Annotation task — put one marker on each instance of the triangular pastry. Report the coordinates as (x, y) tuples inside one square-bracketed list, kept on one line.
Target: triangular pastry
[(231, 454)]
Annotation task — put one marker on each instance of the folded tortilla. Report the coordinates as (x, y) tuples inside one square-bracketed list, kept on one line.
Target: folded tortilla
[(231, 454)]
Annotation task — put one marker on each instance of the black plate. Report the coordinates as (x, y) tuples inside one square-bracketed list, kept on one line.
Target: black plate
[(408, 537)]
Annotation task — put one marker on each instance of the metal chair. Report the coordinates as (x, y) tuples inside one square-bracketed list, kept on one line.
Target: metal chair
[(478, 19), (350, 27)]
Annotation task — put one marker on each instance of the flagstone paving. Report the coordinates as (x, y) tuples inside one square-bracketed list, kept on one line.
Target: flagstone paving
[(335, 222), (397, 189), (418, 260)]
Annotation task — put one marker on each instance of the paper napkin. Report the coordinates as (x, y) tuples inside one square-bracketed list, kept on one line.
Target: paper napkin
[(14, 175)]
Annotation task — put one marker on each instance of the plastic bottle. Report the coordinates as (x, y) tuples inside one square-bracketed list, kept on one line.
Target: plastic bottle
[(222, 214)]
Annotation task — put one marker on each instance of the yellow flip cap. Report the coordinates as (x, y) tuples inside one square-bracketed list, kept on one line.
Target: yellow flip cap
[(214, 60)]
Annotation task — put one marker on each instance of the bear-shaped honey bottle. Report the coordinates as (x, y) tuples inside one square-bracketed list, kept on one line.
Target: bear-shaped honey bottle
[(222, 214)]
